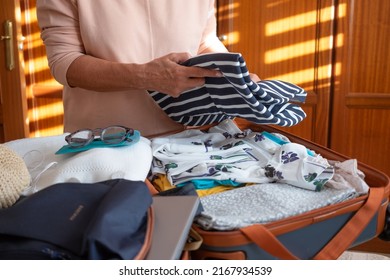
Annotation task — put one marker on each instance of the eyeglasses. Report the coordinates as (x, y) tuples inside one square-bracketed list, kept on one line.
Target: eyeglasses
[(110, 135)]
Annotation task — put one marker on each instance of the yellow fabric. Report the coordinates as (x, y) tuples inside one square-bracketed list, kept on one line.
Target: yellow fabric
[(161, 183), (213, 190)]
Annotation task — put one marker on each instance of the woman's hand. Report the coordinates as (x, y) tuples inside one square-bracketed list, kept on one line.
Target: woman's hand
[(166, 75), (254, 77)]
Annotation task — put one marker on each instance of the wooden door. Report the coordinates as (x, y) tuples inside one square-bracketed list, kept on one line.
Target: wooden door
[(338, 51), (288, 40), (13, 108), (31, 100), (361, 115), (43, 92)]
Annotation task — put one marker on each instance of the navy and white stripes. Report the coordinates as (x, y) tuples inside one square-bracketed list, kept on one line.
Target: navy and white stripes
[(233, 95)]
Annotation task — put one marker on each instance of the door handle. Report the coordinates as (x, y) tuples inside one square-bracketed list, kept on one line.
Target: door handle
[(9, 44), (223, 37)]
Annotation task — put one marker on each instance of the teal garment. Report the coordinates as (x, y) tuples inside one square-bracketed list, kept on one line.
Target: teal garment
[(66, 149), (280, 141), (204, 184)]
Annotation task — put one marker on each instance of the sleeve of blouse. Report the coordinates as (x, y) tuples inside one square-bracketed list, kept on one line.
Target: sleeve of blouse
[(60, 32), (210, 41)]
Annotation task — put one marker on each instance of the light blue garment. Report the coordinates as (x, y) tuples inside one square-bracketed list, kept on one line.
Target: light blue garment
[(204, 184)]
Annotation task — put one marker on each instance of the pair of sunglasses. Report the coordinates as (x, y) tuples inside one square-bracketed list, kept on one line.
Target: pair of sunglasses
[(110, 135)]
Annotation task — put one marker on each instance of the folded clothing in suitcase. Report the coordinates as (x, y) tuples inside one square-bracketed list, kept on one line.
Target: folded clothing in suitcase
[(323, 231)]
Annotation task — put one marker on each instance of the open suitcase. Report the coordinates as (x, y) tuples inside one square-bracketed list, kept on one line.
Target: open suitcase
[(324, 233)]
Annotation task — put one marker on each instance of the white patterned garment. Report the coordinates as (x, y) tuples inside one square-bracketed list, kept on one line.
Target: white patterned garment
[(227, 153), (220, 159), (264, 203)]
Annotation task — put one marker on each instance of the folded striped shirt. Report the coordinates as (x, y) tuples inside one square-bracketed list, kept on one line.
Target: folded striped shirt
[(233, 95)]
